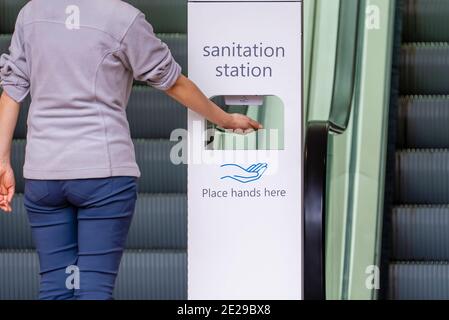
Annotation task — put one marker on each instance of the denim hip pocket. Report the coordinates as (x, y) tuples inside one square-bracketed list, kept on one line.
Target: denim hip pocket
[(36, 190)]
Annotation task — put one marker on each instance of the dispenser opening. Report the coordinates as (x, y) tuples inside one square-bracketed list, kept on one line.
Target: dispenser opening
[(267, 109)]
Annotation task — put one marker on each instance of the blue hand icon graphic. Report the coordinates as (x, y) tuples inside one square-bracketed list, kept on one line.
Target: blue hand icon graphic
[(242, 175)]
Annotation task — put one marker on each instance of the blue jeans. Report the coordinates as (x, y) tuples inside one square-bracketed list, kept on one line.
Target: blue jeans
[(79, 229)]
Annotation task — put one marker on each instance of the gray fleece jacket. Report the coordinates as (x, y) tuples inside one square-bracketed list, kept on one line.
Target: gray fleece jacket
[(78, 59)]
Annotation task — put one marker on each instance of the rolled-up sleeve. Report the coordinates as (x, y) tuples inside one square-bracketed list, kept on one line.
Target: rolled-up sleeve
[(14, 74), (148, 57)]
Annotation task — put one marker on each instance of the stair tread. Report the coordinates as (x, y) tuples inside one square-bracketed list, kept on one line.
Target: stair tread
[(422, 122), (423, 263), (143, 275), (422, 176), (419, 280), (423, 150), (420, 233), (425, 20), (426, 45), (423, 68), (160, 222), (421, 207)]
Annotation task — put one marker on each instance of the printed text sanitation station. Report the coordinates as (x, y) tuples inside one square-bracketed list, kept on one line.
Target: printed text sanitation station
[(244, 69)]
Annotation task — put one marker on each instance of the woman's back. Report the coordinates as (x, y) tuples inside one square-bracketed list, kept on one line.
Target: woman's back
[(78, 59)]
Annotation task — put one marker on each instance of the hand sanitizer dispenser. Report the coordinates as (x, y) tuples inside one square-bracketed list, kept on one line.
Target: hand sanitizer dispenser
[(245, 190), (244, 100)]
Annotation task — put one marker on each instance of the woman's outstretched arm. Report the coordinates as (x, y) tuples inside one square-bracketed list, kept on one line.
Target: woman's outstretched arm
[(9, 113), (151, 61), (187, 93)]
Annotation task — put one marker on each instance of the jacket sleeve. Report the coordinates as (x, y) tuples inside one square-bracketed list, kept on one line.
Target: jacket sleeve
[(14, 74), (149, 59)]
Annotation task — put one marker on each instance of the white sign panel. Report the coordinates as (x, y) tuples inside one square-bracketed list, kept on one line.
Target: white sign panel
[(245, 191)]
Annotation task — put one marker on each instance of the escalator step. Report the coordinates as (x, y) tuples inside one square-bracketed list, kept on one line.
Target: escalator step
[(147, 275), (176, 42), (15, 232), (420, 233), (424, 68), (423, 122), (422, 176), (168, 16), (19, 277), (159, 174), (9, 10), (154, 115), (419, 281), (5, 41), (144, 275), (178, 47), (425, 20), (160, 222)]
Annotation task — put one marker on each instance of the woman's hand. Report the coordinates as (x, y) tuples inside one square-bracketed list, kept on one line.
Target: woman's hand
[(241, 123), (7, 187), (9, 113)]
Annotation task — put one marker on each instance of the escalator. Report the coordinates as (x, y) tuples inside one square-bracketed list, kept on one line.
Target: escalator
[(416, 223), (154, 264), (377, 164)]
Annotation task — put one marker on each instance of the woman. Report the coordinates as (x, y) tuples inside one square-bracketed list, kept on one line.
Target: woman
[(78, 59)]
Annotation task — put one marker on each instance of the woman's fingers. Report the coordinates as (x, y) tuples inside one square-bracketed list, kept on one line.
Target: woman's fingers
[(243, 124), (7, 190), (3, 188), (11, 191), (4, 205), (254, 124)]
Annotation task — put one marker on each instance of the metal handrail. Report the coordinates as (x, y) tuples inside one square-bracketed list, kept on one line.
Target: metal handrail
[(316, 149), (345, 65)]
